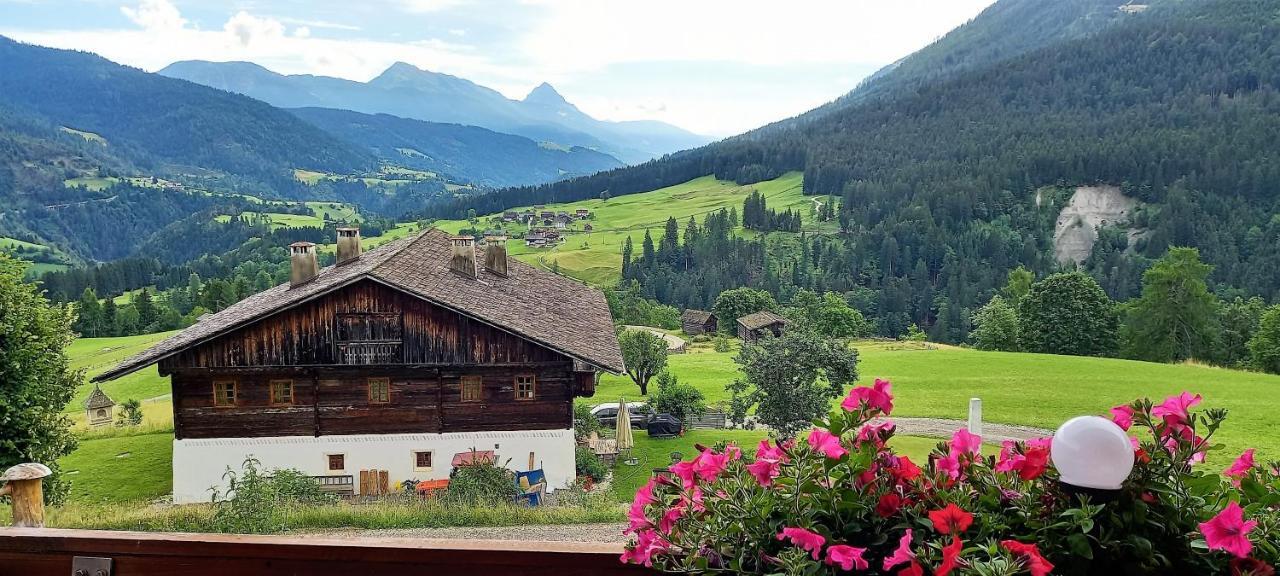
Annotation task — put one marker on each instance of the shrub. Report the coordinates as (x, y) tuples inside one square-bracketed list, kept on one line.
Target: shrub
[(996, 326), (1264, 346), (588, 464), (679, 400), (722, 344), (130, 413), (252, 499), (481, 484), (841, 497), (584, 422)]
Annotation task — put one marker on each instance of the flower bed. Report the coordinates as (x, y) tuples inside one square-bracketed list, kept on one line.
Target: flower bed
[(839, 500)]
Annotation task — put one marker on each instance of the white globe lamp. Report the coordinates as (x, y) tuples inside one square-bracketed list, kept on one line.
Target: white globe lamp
[(1092, 453)]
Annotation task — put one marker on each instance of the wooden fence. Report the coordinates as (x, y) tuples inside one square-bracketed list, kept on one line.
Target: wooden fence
[(56, 552)]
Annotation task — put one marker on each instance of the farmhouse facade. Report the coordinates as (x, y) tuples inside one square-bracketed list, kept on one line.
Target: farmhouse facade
[(395, 360)]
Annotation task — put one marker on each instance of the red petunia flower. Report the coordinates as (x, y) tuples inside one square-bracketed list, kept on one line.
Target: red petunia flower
[(950, 557), (889, 505), (1030, 554), (951, 520)]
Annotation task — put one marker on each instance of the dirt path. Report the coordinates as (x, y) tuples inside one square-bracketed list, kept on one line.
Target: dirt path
[(943, 428)]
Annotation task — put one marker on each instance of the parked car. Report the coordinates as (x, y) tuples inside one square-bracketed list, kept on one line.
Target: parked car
[(607, 414)]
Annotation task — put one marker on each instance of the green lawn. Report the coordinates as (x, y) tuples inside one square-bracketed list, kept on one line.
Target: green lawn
[(335, 210), (124, 469), (596, 256)]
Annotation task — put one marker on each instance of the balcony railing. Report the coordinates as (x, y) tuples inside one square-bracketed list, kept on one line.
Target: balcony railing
[(56, 552)]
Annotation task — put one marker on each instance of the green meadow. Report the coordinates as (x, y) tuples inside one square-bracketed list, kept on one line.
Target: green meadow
[(928, 380), (596, 256)]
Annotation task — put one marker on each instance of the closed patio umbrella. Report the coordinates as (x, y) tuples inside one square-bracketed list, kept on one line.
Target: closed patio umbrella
[(623, 429)]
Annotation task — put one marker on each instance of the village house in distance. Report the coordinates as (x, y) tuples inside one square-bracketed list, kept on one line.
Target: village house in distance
[(395, 360)]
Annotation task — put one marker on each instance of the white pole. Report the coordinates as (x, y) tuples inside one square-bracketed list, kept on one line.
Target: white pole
[(975, 416)]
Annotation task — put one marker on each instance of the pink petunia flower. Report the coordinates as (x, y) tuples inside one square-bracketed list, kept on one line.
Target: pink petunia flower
[(826, 443), (1176, 410), (877, 397), (685, 471), (765, 471), (964, 441), (648, 543), (1228, 531), (1030, 554), (708, 465), (766, 452), (669, 519), (950, 465), (846, 557), (1241, 466), (1123, 416), (902, 554), (803, 539), (874, 433)]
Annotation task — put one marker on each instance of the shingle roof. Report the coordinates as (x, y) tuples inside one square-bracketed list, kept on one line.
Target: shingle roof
[(98, 399), (760, 320), (695, 316), (547, 308)]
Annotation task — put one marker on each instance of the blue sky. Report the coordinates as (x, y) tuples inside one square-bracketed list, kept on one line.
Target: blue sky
[(715, 67)]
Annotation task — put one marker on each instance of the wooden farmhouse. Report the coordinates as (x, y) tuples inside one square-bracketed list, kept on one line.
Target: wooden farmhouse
[(752, 326), (396, 360), (695, 322)]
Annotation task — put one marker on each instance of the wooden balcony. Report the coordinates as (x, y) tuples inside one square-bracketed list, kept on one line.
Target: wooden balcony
[(56, 552)]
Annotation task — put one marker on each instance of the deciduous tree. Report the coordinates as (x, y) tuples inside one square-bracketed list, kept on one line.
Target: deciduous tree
[(790, 380), (36, 379), (645, 356), (1067, 313)]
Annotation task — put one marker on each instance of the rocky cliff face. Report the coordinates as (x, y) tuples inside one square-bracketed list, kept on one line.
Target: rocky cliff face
[(1090, 207)]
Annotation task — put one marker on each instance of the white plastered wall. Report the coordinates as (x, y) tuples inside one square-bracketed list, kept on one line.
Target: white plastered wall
[(199, 464)]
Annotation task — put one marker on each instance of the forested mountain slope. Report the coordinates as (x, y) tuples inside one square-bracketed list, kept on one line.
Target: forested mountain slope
[(1178, 104), (163, 119), (467, 153)]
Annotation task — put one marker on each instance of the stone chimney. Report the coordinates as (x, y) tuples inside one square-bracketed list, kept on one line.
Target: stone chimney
[(304, 267), (464, 256), (348, 245), (495, 254)]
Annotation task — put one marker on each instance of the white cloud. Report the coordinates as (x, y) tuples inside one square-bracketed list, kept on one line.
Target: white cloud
[(249, 29), (301, 32), (457, 32), (590, 34), (420, 6), (158, 15), (319, 24)]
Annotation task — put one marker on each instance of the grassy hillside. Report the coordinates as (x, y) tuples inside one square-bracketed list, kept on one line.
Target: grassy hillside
[(596, 256), (929, 380), (96, 355)]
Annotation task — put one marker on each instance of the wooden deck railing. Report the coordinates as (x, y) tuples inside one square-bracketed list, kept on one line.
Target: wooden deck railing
[(54, 552)]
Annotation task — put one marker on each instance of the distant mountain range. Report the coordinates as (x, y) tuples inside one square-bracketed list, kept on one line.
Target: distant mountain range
[(406, 91), (474, 154)]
